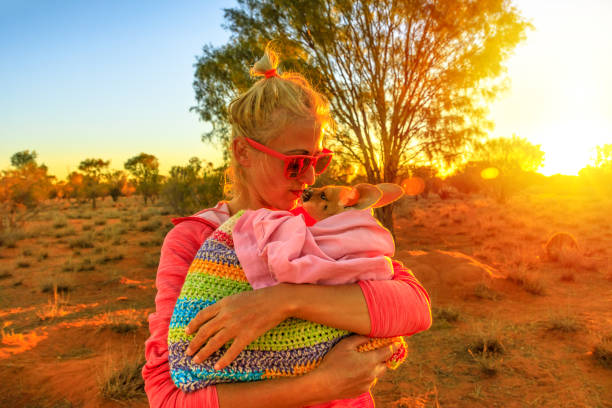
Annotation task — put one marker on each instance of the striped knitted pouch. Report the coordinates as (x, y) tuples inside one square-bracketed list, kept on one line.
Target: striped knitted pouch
[(292, 348)]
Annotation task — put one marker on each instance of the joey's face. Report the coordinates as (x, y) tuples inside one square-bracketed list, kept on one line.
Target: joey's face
[(322, 202)]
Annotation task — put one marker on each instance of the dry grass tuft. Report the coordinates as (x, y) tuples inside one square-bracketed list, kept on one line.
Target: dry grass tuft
[(54, 308), (444, 317), (122, 381), (565, 323), (151, 226), (59, 222), (528, 281), (487, 352), (22, 263), (10, 237), (482, 291), (602, 352), (428, 399), (84, 241)]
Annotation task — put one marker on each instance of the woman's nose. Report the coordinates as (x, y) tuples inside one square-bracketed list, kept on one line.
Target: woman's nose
[(309, 176)]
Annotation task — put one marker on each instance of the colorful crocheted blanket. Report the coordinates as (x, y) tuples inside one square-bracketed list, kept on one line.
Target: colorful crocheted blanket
[(292, 348)]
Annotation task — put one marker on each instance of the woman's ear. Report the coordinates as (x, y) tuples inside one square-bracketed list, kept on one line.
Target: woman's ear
[(241, 153)]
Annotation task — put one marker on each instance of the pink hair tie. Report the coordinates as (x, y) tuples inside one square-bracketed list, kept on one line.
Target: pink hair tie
[(271, 73)]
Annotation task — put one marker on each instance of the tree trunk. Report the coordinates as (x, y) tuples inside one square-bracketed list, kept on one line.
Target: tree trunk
[(385, 216), (93, 203)]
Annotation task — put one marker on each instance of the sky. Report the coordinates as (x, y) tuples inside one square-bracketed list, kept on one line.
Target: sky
[(111, 79)]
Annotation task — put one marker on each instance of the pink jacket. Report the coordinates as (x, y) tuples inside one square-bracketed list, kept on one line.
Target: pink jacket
[(397, 307)]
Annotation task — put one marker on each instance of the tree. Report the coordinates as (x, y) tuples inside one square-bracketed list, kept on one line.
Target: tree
[(603, 158), (116, 182), (145, 169), (93, 170), (22, 189), (598, 176), (23, 158), (509, 154), (511, 163), (408, 80)]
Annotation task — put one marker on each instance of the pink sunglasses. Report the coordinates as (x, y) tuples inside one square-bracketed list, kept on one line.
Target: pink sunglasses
[(296, 165)]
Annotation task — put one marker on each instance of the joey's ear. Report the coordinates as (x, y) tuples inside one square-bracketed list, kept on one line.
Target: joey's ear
[(390, 193), (241, 152), (368, 195), (348, 197)]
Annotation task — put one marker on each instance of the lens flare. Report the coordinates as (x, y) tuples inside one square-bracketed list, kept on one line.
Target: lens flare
[(489, 173), (413, 186)]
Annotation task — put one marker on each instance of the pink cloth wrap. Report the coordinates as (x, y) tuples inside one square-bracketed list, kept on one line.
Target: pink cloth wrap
[(276, 246)]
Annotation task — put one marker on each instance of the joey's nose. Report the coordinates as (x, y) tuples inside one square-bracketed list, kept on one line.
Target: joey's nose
[(306, 195)]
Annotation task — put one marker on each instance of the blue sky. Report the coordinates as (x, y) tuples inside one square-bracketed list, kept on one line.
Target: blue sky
[(111, 79), (103, 79)]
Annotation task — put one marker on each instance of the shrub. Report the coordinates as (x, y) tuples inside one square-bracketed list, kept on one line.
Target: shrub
[(193, 187)]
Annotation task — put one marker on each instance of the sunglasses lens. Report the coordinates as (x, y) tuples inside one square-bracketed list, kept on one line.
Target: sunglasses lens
[(295, 167), (322, 163)]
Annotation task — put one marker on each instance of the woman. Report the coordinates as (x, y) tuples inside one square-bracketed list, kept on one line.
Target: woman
[(287, 118)]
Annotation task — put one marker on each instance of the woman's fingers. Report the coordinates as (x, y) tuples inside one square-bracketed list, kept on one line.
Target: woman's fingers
[(203, 334), (354, 341), (202, 317), (230, 354), (214, 344), (385, 353)]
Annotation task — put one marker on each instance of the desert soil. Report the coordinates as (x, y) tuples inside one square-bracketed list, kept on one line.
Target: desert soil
[(512, 327)]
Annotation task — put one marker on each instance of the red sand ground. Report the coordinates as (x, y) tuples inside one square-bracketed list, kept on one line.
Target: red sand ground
[(481, 262)]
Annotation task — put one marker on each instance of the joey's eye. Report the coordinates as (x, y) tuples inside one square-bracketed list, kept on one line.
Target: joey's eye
[(325, 208), (323, 196)]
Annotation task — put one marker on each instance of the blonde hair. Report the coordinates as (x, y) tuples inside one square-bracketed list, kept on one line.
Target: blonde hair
[(268, 107)]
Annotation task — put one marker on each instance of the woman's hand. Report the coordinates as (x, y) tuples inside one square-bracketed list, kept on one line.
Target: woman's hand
[(241, 317), (348, 373)]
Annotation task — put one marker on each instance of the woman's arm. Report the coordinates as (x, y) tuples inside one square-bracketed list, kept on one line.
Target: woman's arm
[(375, 308), (178, 250), (397, 307)]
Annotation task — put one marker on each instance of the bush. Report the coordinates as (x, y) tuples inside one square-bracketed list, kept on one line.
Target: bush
[(193, 187)]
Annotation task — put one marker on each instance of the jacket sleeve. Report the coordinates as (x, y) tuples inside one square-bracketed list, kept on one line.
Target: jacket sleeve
[(178, 250), (398, 307)]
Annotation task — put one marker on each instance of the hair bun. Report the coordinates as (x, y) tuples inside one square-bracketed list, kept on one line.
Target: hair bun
[(268, 62)]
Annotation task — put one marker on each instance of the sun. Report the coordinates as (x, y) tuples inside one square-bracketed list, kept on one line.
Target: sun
[(569, 146)]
